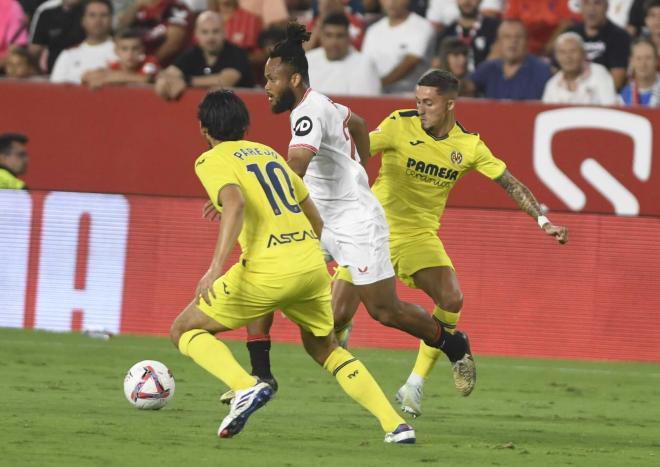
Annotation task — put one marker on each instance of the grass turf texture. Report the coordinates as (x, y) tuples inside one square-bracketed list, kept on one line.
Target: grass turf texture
[(63, 405)]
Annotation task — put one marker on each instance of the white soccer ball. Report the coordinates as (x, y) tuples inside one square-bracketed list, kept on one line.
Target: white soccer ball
[(149, 385)]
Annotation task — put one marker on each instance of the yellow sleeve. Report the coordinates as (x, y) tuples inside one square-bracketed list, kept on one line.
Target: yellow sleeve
[(486, 163), (383, 136), (214, 176)]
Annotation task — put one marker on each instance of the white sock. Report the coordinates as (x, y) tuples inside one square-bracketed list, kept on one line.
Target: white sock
[(415, 380)]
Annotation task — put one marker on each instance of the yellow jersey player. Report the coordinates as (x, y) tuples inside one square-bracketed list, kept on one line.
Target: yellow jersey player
[(266, 208), (13, 160), (425, 152)]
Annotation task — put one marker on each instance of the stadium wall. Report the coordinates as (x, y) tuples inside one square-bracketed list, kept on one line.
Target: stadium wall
[(130, 263), (127, 140)]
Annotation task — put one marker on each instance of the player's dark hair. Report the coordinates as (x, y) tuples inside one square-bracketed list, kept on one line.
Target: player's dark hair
[(224, 115), (443, 81), (291, 51), (336, 19), (7, 139), (107, 3), (130, 33)]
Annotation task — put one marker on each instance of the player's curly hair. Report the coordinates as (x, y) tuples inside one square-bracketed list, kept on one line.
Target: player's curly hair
[(291, 51), (224, 115)]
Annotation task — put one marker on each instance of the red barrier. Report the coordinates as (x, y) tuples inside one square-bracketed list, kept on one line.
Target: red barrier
[(127, 140), (130, 263)]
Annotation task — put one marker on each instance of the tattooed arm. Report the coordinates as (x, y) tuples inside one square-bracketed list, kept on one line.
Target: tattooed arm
[(526, 202)]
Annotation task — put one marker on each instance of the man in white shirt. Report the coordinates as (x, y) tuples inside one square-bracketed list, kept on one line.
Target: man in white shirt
[(96, 51), (335, 67), (400, 46), (578, 81)]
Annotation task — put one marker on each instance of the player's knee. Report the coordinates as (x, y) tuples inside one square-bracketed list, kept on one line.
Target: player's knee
[(342, 315), (176, 331), (452, 301)]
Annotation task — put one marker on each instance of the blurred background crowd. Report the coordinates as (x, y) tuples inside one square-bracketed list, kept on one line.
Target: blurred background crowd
[(559, 51)]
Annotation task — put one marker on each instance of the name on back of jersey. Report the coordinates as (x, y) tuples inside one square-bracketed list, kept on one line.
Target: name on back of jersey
[(245, 152)]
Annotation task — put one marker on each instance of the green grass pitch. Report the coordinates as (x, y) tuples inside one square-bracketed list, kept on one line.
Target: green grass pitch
[(62, 404)]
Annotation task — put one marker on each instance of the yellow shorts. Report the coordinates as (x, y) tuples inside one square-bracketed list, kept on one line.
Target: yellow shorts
[(409, 254), (243, 296)]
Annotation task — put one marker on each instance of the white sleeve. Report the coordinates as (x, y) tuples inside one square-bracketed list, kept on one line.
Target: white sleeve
[(420, 40), (306, 131), (61, 68), (365, 81)]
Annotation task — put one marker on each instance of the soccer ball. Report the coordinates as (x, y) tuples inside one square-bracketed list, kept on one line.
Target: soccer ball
[(149, 385)]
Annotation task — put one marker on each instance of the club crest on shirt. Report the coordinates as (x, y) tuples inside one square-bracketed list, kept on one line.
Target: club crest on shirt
[(303, 126), (456, 157)]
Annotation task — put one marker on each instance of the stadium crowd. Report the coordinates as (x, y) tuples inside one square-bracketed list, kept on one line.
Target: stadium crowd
[(559, 51)]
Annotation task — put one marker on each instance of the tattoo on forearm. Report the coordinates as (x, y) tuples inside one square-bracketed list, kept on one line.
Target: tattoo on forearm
[(520, 194)]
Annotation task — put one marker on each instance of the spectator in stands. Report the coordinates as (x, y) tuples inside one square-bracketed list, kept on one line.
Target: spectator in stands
[(636, 17), (478, 32), (454, 56), (96, 51), (13, 160), (399, 44), (166, 26), (131, 67), (242, 28), (644, 85), (56, 26), (271, 12), (441, 13), (578, 81), (543, 19), (604, 42), (517, 75), (337, 68), (333, 7), (13, 27), (212, 63), (21, 64), (652, 22)]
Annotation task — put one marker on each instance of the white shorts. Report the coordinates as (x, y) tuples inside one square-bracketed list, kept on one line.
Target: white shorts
[(363, 248)]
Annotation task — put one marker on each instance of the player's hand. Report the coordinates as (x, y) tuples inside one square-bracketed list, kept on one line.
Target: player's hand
[(558, 231), (205, 286), (210, 212)]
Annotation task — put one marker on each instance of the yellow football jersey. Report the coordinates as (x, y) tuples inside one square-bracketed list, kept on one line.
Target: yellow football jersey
[(276, 237), (9, 181), (419, 170)]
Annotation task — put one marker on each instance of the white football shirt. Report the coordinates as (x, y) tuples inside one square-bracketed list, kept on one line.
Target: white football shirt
[(337, 182)]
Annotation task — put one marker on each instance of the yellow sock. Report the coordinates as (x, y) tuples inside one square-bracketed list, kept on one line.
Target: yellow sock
[(215, 357), (449, 319), (426, 358), (357, 382)]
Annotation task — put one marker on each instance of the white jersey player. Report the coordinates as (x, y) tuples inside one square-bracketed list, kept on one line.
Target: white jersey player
[(355, 229)]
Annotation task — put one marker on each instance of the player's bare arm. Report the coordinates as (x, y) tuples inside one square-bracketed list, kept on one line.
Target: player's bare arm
[(233, 205), (527, 202), (299, 159), (359, 131), (312, 214)]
